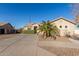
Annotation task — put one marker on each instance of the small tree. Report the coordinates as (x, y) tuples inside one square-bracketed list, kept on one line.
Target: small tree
[(48, 29), (35, 29)]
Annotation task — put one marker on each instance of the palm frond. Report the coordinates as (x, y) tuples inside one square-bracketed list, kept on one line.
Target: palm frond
[(48, 29)]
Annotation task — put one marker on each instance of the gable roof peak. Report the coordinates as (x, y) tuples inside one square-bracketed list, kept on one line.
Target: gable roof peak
[(64, 19)]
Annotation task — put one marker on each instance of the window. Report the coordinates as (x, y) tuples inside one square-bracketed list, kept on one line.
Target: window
[(65, 26), (60, 26)]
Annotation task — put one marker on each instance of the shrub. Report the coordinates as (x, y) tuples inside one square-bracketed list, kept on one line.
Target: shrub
[(29, 31), (67, 35)]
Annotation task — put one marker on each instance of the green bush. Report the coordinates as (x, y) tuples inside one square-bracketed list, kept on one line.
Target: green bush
[(29, 31)]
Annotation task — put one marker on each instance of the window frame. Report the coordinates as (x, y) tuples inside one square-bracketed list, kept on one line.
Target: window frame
[(66, 26), (60, 26)]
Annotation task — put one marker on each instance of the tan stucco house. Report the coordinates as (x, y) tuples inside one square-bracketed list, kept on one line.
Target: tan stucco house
[(31, 26), (6, 28), (65, 26)]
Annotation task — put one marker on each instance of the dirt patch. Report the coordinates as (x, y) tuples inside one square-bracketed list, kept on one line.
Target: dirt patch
[(62, 39), (62, 51), (6, 36)]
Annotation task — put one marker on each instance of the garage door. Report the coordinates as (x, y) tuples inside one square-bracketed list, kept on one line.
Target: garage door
[(2, 31)]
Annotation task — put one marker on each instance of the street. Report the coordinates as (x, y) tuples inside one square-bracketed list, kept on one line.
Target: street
[(21, 45), (29, 45)]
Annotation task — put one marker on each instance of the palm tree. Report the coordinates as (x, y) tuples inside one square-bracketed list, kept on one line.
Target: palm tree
[(48, 29)]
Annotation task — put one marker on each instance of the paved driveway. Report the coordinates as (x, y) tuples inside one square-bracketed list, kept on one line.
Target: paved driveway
[(21, 45)]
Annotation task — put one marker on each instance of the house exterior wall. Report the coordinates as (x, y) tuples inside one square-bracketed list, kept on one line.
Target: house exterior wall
[(65, 27), (8, 28), (25, 28), (76, 32), (34, 26)]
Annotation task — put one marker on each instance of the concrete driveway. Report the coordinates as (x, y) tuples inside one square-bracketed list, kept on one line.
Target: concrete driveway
[(28, 45), (21, 45)]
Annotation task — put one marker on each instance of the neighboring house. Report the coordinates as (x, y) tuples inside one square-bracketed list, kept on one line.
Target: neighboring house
[(35, 26), (6, 28), (65, 27), (31, 26), (25, 28)]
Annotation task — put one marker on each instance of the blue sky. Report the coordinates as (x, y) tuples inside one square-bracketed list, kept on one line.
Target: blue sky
[(19, 14)]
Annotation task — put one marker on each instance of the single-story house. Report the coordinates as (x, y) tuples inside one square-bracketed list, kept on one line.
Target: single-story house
[(6, 28), (31, 26), (65, 26)]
